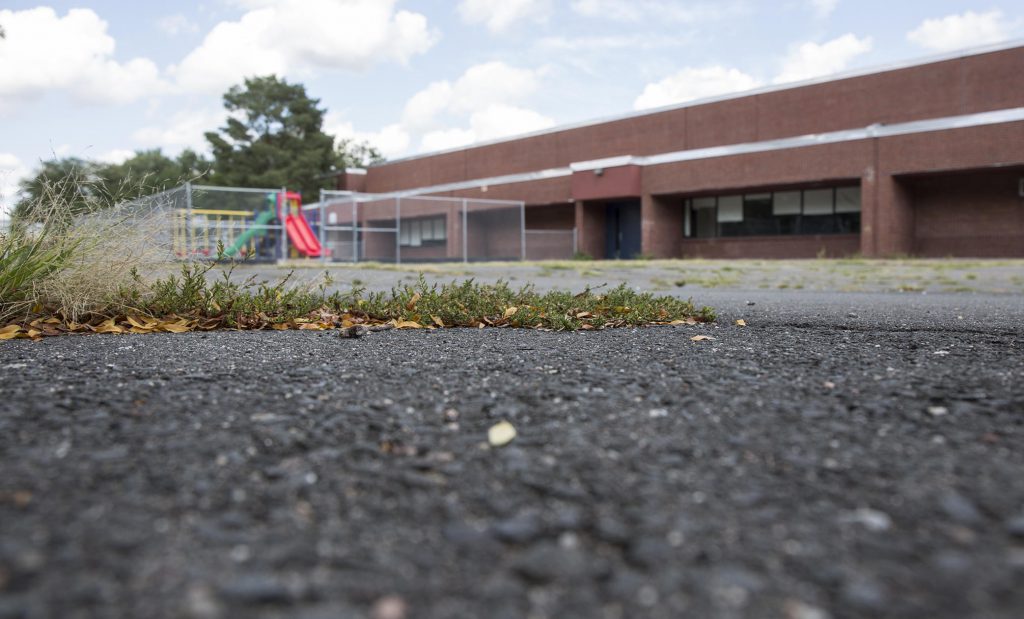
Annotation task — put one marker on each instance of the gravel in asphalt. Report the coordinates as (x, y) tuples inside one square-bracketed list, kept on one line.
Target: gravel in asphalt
[(810, 465)]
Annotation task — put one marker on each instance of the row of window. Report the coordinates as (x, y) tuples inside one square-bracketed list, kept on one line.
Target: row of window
[(418, 232), (832, 210)]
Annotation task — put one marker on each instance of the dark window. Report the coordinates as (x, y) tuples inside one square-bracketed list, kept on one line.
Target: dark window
[(703, 218), (831, 210), (418, 232)]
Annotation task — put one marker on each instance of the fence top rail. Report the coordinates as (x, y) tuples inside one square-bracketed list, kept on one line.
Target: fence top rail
[(237, 189), (381, 197)]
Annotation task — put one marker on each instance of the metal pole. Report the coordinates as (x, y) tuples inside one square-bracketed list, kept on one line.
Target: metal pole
[(465, 237), (188, 221), (575, 241), (323, 233), (522, 230), (398, 231), (355, 234), (282, 214)]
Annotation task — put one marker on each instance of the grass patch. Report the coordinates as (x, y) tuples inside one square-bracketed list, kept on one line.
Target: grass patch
[(192, 300)]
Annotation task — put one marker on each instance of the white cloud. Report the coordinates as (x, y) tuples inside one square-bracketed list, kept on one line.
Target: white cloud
[(302, 35), (490, 123), (694, 83), (44, 52), (116, 156), (499, 16), (184, 129), (392, 140), (484, 103), (611, 42), (12, 170), (481, 86), (958, 31), (660, 10), (813, 59), (823, 8), (176, 24)]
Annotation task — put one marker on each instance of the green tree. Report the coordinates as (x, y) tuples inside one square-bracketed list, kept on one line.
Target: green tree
[(85, 185), (274, 137), (69, 181), (351, 154), (149, 171)]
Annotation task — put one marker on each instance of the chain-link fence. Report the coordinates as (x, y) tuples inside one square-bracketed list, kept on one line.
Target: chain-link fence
[(364, 227), (551, 244), (198, 222)]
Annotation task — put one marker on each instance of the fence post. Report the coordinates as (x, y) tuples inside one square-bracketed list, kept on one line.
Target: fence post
[(398, 231), (575, 241), (465, 237), (522, 231), (188, 220), (355, 233), (323, 233), (282, 215)]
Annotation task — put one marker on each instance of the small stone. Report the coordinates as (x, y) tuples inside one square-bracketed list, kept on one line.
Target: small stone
[(200, 603), (518, 530), (829, 385), (1015, 526), (647, 596), (851, 315), (240, 553), (795, 609), (355, 331), (501, 434), (870, 519), (656, 413), (547, 562), (938, 411), (960, 508), (863, 593), (389, 607), (259, 589)]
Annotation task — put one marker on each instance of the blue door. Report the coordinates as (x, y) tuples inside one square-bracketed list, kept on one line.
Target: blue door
[(622, 229)]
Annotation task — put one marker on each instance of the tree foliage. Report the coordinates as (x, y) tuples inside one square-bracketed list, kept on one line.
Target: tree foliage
[(85, 185), (273, 138)]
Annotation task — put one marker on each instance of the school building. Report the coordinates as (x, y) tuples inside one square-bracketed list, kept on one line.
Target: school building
[(923, 159)]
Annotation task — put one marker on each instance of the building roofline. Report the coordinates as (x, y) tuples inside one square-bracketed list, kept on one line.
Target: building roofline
[(946, 123), (832, 77)]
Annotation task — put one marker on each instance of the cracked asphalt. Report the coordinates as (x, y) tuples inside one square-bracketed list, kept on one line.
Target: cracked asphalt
[(843, 455)]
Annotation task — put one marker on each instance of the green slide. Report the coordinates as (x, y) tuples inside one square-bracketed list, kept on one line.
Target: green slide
[(262, 219)]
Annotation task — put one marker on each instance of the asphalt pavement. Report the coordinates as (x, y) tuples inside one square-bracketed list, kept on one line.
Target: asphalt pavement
[(842, 455)]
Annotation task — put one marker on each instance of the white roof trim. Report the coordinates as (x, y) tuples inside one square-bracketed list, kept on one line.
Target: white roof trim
[(834, 77), (355, 170), (608, 162), (816, 139)]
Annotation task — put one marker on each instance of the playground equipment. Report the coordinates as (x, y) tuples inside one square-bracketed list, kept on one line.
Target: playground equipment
[(303, 240), (244, 231)]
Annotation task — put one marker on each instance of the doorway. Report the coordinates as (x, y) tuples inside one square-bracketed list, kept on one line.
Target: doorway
[(622, 229)]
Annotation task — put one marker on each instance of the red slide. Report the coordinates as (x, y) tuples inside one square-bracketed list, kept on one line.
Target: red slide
[(301, 236)]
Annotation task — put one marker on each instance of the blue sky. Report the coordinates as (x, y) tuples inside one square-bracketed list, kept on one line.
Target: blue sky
[(100, 79)]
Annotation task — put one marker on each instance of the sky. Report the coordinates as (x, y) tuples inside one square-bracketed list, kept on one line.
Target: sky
[(101, 79)]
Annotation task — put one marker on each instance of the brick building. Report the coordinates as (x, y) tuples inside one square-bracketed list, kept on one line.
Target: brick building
[(925, 158)]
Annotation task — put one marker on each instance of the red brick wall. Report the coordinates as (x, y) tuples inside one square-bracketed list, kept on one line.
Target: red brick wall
[(968, 214), (551, 217)]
